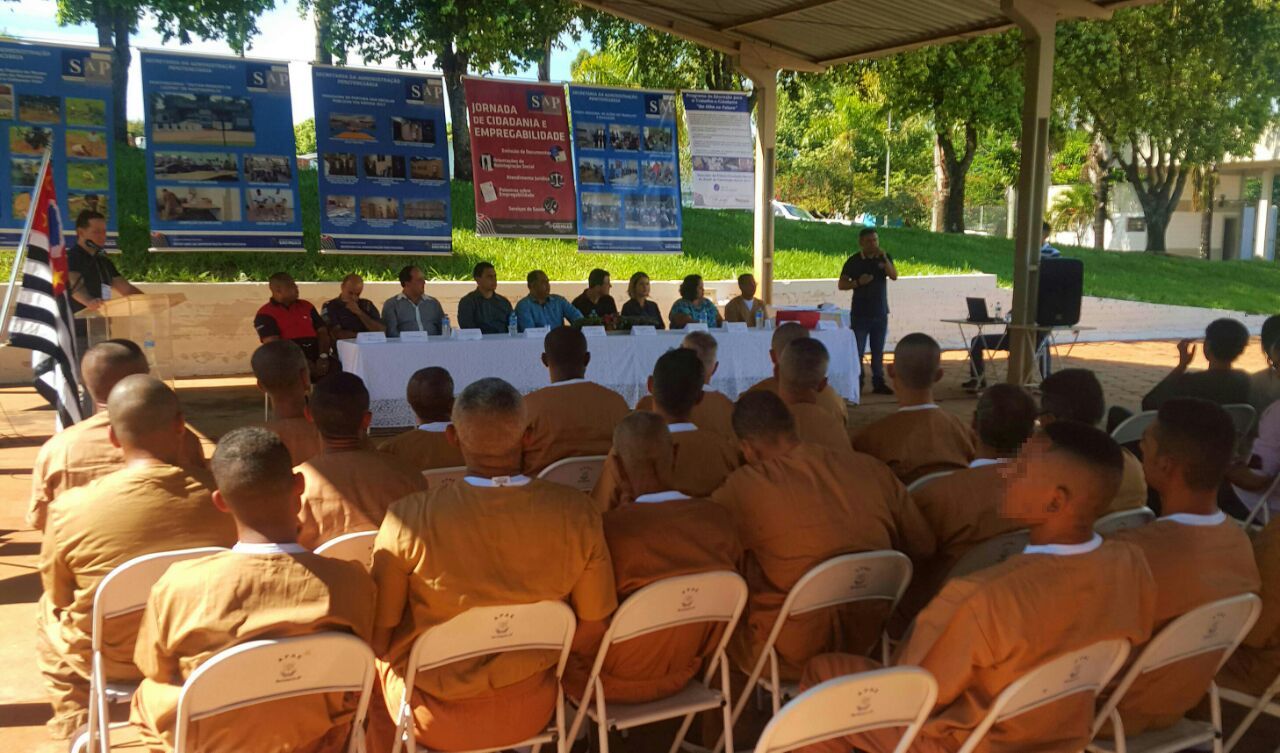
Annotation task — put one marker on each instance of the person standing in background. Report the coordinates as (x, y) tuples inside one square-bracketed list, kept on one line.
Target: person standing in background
[(867, 273)]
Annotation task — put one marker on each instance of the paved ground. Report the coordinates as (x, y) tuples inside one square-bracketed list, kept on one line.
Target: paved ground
[(214, 406)]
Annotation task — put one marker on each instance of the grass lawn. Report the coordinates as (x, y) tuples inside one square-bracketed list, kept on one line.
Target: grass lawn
[(717, 245)]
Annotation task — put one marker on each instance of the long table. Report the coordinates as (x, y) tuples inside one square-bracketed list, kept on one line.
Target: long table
[(620, 362)]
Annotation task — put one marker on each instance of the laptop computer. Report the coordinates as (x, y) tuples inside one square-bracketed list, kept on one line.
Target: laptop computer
[(978, 310)]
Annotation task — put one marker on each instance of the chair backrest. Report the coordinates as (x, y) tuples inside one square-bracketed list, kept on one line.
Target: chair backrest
[(579, 473), (437, 476), (895, 697), (993, 551), (271, 670), (1131, 429), (354, 547), (881, 576), (482, 631), (1123, 520), (926, 479), (1242, 415), (126, 588), (1087, 670)]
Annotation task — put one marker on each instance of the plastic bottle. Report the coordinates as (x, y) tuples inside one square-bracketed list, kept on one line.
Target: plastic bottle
[(513, 325), (999, 312), (760, 318), (446, 329)]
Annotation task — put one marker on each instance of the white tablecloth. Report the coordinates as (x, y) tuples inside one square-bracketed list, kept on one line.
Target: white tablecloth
[(620, 362)]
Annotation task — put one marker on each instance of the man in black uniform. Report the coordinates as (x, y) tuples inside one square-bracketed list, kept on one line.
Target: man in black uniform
[(93, 278), (349, 314), (866, 273)]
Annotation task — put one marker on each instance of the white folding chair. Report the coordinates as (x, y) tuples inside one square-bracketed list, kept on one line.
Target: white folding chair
[(1218, 626), (437, 476), (1132, 428), (669, 603), (1123, 520), (123, 591), (482, 631), (354, 547), (850, 705), (1243, 416), (991, 552), (578, 473), (272, 670), (849, 578), (1257, 705), (1087, 670), (925, 479), (1262, 507)]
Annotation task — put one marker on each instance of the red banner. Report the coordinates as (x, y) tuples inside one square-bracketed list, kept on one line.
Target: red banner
[(520, 159)]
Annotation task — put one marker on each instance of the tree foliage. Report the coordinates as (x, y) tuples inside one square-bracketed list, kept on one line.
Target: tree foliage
[(652, 59), (304, 136)]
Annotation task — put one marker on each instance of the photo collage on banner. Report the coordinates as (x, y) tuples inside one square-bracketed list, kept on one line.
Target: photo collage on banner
[(628, 171), (721, 149), (59, 96), (384, 162), (221, 163), (520, 159)]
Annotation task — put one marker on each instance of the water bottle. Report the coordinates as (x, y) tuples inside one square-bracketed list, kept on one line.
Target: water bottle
[(446, 330), (999, 312), (513, 325), (760, 318)]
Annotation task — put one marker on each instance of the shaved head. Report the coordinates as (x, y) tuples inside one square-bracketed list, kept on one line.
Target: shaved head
[(763, 416), (705, 345), (339, 404), (1005, 418), (279, 365), (489, 417), (1069, 471), (430, 394), (565, 349), (145, 414), (784, 335), (107, 363), (254, 475), (677, 382), (642, 441), (802, 367), (916, 360)]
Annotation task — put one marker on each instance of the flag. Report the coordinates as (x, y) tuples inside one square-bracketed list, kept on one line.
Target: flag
[(41, 320)]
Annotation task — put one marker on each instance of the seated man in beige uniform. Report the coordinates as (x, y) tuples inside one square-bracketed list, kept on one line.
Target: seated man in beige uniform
[(497, 537), (661, 533), (348, 486), (988, 628), (920, 438), (430, 394), (1076, 395), (82, 452), (802, 376), (573, 417), (795, 506), (150, 505), (283, 374), (1256, 663), (267, 586), (783, 336), (714, 411), (1196, 553)]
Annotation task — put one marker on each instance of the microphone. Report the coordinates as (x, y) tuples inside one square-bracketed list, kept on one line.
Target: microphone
[(92, 245)]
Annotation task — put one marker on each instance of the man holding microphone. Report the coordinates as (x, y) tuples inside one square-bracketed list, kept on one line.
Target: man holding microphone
[(866, 273), (92, 277)]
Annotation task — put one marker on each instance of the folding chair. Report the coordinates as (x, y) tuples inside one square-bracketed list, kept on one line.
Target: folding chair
[(1262, 508), (849, 578), (1216, 626), (1257, 706), (925, 479), (271, 670), (482, 631), (849, 705), (991, 552), (1243, 416), (666, 604), (1123, 520), (1132, 428), (355, 547), (437, 476), (123, 591), (578, 473)]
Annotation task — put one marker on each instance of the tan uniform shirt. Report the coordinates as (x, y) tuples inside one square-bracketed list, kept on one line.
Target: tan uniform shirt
[(829, 398), (1132, 493), (816, 425), (204, 606), (917, 441), (299, 435), (704, 459), (795, 512), (1256, 663), (570, 419), (82, 453), (350, 490), (715, 412), (740, 310), (425, 448)]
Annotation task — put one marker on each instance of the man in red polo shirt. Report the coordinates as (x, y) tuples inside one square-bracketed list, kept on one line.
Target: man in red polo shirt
[(284, 317)]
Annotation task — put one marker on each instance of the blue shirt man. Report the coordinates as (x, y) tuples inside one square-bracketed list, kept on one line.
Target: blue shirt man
[(412, 310), (541, 308)]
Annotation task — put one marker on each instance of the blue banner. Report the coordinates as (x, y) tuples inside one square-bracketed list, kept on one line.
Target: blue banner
[(628, 174), (384, 162), (222, 173), (58, 96)]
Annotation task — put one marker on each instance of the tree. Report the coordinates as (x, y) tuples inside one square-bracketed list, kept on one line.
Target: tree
[(1072, 210), (1173, 86), (304, 135), (660, 61)]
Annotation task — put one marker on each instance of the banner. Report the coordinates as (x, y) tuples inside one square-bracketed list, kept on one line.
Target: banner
[(628, 172), (520, 159), (60, 96), (721, 149), (384, 162), (222, 174)]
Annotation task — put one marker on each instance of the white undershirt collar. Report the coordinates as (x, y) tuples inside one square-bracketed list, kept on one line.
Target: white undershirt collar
[(1187, 519), (709, 388), (1065, 550), (910, 408), (681, 427), (661, 497), (568, 382), (435, 427), (492, 483), (242, 547), (983, 462)]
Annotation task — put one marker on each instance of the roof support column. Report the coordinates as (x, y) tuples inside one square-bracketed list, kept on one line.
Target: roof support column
[(764, 82)]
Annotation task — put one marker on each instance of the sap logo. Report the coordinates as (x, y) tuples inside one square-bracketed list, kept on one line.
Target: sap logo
[(267, 78), (860, 578), (1077, 668), (78, 65), (866, 699), (687, 598), (658, 105), (542, 102), (287, 667), (502, 625), (423, 93)]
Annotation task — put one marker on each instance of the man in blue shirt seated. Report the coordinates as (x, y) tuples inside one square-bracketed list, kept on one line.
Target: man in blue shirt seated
[(542, 308), (412, 310)]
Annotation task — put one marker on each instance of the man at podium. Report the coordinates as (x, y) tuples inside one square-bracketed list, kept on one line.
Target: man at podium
[(92, 277)]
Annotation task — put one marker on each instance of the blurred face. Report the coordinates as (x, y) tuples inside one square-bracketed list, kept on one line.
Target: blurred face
[(487, 282), (642, 287), (1155, 467), (285, 292), (748, 287), (352, 289), (869, 242), (95, 232), (417, 284), (1032, 483), (540, 288), (701, 292), (606, 286)]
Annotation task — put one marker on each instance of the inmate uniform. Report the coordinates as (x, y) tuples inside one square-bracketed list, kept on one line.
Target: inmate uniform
[(828, 398), (816, 425), (1132, 493), (1256, 663), (350, 490), (425, 448), (740, 309), (299, 435), (918, 440), (704, 459), (714, 412), (570, 419)]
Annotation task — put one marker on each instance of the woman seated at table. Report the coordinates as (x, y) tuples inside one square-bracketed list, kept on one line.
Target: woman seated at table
[(638, 305), (694, 306)]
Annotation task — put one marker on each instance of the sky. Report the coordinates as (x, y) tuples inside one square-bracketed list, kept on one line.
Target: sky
[(284, 36)]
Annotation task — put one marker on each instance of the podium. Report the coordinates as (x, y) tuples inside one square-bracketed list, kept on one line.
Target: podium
[(144, 319)]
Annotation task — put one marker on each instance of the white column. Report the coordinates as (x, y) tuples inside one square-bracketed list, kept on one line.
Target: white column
[(1264, 215), (764, 81)]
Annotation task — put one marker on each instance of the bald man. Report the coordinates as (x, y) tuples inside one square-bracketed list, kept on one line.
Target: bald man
[(988, 628), (83, 452), (783, 336), (714, 411), (283, 375), (802, 376), (573, 417), (661, 533), (348, 315), (496, 537), (796, 505), (430, 394), (267, 586), (152, 504), (348, 486), (919, 438)]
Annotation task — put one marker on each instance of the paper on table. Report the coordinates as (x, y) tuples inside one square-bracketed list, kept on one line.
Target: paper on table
[(695, 327), (594, 330), (468, 334), (646, 330), (734, 327), (536, 331), (371, 337), (414, 336), (828, 324)]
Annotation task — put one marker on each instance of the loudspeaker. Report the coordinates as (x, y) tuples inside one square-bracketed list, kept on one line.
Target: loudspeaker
[(1061, 287)]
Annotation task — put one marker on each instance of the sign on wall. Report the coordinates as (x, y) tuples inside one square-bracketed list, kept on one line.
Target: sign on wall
[(721, 149)]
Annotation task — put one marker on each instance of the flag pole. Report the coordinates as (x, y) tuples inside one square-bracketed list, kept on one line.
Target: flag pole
[(20, 255)]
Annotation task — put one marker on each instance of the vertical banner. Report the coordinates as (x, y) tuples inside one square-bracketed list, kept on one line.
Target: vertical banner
[(60, 96), (384, 162), (721, 149), (628, 173), (222, 172), (520, 159)]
